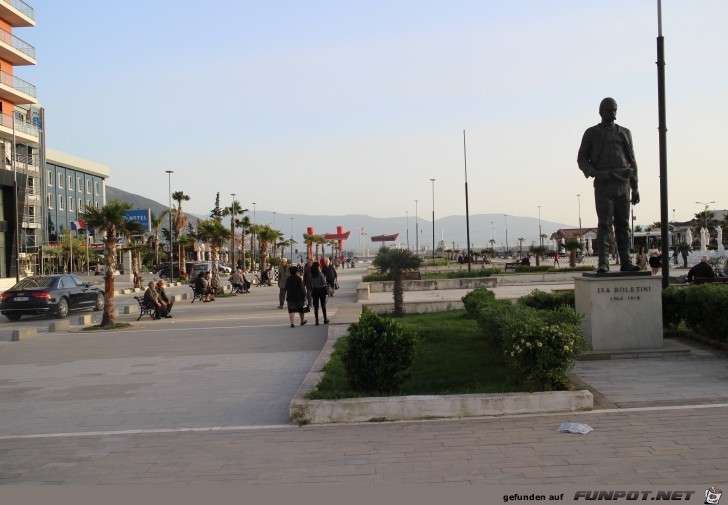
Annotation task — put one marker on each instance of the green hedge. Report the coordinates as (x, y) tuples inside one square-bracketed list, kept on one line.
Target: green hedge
[(540, 335), (702, 309), (549, 301), (379, 352), (545, 268), (480, 272)]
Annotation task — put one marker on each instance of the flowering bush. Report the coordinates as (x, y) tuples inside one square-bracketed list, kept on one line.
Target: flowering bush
[(544, 351)]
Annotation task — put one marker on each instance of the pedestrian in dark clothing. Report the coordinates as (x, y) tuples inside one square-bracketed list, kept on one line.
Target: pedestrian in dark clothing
[(295, 296), (318, 282), (701, 270)]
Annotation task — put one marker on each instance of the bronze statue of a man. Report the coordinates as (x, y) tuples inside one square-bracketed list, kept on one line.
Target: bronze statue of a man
[(606, 153)]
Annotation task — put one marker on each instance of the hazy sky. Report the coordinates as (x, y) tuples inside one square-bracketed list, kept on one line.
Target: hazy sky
[(344, 107)]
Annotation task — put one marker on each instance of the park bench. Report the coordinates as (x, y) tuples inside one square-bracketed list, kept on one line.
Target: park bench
[(144, 310), (511, 266), (710, 280), (411, 275), (196, 295)]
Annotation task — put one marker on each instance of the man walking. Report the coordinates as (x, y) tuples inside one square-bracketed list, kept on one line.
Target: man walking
[(283, 275)]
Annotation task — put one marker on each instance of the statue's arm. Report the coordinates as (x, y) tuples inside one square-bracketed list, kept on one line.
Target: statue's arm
[(582, 157)]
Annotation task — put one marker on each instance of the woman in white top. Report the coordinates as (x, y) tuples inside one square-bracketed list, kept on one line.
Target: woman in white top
[(654, 258)]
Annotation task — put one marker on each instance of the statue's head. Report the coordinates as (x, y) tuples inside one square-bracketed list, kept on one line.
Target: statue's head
[(608, 109)]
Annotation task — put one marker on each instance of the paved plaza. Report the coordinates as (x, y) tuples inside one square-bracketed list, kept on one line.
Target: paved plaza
[(203, 398)]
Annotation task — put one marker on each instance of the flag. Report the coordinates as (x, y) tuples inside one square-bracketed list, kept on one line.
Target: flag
[(361, 229), (78, 225)]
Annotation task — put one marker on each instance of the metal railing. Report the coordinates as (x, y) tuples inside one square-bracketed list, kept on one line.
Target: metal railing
[(6, 120), (17, 43), (22, 7), (17, 83)]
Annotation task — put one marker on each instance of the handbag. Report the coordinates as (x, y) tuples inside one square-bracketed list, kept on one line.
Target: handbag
[(329, 290), (336, 285), (306, 308)]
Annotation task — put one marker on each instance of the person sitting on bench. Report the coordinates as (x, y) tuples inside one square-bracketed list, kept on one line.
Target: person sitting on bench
[(237, 281), (164, 299), (152, 301)]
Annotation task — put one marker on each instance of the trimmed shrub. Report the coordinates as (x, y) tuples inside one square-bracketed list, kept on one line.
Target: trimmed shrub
[(376, 277), (548, 301), (476, 299), (706, 310), (379, 352), (673, 306), (544, 352)]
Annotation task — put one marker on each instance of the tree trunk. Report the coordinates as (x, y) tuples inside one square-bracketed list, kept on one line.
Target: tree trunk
[(108, 318), (135, 268), (398, 295), (572, 258), (215, 281)]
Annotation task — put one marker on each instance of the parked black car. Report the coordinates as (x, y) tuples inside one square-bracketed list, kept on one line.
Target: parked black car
[(54, 294)]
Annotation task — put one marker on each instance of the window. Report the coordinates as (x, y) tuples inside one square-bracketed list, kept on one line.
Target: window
[(50, 178), (96, 188), (49, 201), (98, 206), (80, 204), (70, 204), (88, 187), (88, 203), (70, 183), (60, 180), (60, 202), (31, 185), (79, 184)]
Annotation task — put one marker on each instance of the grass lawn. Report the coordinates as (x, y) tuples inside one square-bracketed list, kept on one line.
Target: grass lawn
[(452, 358)]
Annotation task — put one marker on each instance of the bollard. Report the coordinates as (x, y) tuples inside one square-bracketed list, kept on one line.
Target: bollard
[(85, 320), (55, 326), (131, 309), (23, 334)]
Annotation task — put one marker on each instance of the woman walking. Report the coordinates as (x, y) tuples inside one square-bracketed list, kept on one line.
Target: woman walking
[(654, 254), (295, 296), (318, 283)]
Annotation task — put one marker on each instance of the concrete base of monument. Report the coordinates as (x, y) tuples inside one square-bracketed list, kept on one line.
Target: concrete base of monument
[(670, 348), (621, 312)]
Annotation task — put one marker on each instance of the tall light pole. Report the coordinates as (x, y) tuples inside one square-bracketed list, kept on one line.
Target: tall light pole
[(254, 241), (291, 241), (662, 137), (407, 214), (467, 210), (578, 199), (505, 220), (171, 249), (433, 219), (417, 230), (705, 211), (232, 229), (540, 239)]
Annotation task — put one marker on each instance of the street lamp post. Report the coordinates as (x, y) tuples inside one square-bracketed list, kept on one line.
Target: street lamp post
[(433, 219), (705, 211), (417, 230), (291, 241), (254, 240), (171, 249), (232, 229), (505, 220), (578, 199), (407, 214), (540, 238)]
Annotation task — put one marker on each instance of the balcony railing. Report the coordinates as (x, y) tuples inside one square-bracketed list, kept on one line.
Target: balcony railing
[(17, 83), (6, 120), (17, 43), (22, 7)]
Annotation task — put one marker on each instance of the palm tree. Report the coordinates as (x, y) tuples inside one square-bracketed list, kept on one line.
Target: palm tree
[(572, 245), (319, 240), (156, 226), (110, 223), (308, 240), (180, 223), (395, 262), (520, 246), (234, 210), (216, 234), (538, 251), (266, 236)]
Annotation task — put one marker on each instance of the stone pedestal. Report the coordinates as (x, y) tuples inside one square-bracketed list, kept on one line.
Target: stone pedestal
[(126, 263), (621, 312)]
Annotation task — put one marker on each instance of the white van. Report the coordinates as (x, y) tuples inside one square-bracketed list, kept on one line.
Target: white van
[(200, 266)]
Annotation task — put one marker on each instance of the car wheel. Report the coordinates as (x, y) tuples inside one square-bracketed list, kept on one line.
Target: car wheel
[(100, 302), (13, 317), (62, 308)]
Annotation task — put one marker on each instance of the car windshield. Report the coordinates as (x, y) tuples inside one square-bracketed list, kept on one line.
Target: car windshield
[(40, 281)]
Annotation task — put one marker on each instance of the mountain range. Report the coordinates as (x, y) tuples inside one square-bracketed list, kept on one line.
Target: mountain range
[(452, 230)]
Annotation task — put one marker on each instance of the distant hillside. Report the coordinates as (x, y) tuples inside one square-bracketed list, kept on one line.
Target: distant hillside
[(140, 202), (450, 229)]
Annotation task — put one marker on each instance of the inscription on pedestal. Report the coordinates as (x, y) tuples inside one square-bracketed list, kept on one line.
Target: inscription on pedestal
[(620, 313)]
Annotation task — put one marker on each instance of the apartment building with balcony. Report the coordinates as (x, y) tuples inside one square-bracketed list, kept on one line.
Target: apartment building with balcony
[(20, 138)]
